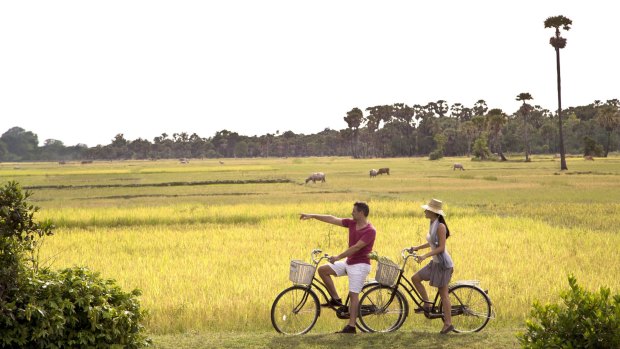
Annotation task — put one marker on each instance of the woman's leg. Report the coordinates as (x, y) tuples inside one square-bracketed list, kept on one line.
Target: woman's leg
[(447, 307), (417, 282)]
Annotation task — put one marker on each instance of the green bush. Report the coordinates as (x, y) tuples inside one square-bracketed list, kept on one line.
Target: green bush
[(73, 308), (436, 155), (591, 147), (583, 320), (481, 149)]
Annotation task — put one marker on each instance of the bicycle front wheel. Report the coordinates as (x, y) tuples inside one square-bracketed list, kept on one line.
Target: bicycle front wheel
[(383, 309), (471, 308), (295, 310)]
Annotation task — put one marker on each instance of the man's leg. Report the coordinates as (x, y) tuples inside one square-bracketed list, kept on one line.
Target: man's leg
[(326, 272), (355, 302)]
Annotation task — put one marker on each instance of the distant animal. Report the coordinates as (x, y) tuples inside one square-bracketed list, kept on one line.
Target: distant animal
[(588, 157), (184, 161), (373, 173), (384, 170), (317, 176), (61, 162), (84, 162), (556, 156), (459, 166), (221, 162)]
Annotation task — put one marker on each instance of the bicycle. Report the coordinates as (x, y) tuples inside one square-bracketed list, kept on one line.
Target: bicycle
[(384, 308), (296, 309)]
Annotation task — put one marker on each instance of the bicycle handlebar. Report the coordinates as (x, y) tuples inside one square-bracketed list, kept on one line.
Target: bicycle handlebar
[(316, 252), (408, 254)]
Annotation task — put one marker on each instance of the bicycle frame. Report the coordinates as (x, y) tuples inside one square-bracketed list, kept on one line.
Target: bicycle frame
[(403, 283), (318, 285)]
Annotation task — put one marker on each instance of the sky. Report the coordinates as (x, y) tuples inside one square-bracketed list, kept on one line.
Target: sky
[(84, 71)]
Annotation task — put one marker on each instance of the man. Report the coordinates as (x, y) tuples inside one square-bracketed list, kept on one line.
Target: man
[(357, 265)]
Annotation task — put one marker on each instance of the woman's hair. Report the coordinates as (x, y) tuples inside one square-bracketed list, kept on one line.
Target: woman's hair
[(443, 220)]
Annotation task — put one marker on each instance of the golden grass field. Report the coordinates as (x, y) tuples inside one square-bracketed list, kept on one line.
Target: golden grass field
[(214, 257)]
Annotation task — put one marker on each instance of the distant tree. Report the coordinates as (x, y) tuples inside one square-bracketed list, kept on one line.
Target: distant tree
[(558, 43), (405, 116), (354, 119), (52, 149), (481, 149), (441, 108), (524, 110), (591, 148), (480, 108), (21, 144), (608, 116), (468, 129), (140, 148), (4, 151), (496, 119)]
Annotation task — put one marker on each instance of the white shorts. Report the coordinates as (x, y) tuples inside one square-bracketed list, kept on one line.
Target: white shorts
[(357, 274)]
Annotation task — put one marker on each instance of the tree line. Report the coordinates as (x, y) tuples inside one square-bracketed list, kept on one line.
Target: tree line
[(435, 129)]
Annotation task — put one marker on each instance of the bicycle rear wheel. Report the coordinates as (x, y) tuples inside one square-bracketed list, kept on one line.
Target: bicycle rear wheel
[(471, 308), (383, 309), (295, 310)]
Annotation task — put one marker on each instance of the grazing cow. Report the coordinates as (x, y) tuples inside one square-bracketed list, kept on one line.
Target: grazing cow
[(373, 173), (384, 170), (588, 157), (459, 166), (317, 176)]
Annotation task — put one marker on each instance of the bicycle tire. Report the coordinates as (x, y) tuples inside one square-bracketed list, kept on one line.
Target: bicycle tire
[(471, 308), (295, 310), (383, 309), (365, 288)]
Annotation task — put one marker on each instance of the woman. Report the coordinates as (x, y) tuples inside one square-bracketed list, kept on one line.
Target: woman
[(439, 270)]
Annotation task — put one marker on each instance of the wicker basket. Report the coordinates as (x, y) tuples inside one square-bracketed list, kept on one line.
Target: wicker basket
[(301, 273), (387, 272)]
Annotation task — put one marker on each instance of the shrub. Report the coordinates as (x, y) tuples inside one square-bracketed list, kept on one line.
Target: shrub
[(481, 148), (584, 320), (73, 308), (591, 147), (436, 155)]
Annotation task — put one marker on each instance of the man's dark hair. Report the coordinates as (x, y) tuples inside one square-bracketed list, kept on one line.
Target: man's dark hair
[(362, 206)]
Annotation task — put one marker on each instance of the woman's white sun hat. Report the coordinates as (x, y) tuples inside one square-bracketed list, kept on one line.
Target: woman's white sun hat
[(434, 206)]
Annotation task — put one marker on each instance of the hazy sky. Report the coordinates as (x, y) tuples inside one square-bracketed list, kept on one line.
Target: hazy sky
[(83, 71)]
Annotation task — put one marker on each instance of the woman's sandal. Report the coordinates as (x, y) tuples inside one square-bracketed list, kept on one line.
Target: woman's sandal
[(447, 330)]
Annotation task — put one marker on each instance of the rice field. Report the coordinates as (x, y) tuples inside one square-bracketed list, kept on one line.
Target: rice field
[(212, 257)]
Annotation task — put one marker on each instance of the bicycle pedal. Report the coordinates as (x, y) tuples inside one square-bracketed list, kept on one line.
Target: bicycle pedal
[(343, 312)]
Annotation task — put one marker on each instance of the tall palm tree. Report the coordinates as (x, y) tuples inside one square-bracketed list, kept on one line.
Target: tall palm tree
[(558, 43), (496, 119), (525, 111), (354, 120)]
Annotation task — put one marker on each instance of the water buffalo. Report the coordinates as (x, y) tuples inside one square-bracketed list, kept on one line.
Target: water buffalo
[(383, 170), (459, 166), (373, 173), (317, 176)]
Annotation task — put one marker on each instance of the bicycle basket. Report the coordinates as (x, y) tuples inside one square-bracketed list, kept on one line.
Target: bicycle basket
[(387, 272), (301, 272)]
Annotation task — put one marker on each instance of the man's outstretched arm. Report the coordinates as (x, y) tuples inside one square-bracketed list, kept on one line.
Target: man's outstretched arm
[(322, 217)]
